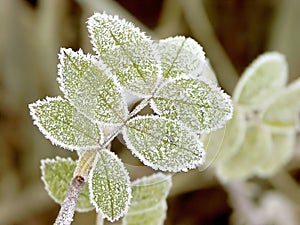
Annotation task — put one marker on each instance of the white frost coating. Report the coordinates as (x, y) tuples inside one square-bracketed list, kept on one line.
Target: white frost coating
[(179, 56), (163, 144), (199, 104), (109, 186), (90, 86), (64, 126), (127, 51), (262, 80)]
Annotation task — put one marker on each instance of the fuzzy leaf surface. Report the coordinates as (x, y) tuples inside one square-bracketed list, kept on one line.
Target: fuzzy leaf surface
[(89, 86), (201, 106), (163, 144), (127, 51), (57, 175), (260, 82), (63, 125), (110, 186), (181, 56)]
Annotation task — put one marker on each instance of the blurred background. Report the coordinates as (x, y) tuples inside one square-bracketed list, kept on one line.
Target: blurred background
[(232, 32)]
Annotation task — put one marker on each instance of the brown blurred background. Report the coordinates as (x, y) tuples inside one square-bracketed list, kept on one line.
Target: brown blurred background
[(232, 32)]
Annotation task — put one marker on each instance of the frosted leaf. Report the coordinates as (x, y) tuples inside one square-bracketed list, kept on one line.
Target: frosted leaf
[(201, 106), (89, 86), (63, 125), (57, 175), (260, 82), (127, 51), (221, 144), (283, 112), (148, 192), (256, 148), (110, 186), (283, 145), (154, 216), (163, 144), (181, 56)]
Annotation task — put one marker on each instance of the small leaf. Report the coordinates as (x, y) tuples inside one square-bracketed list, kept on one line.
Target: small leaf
[(154, 216), (89, 86), (260, 82), (284, 111), (283, 145), (181, 56), (110, 186), (256, 148), (149, 192), (127, 51), (57, 175), (63, 125), (163, 144), (200, 106)]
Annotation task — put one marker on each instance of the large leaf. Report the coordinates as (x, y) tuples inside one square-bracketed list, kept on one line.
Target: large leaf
[(127, 51), (163, 144), (201, 106), (284, 111), (57, 175), (63, 125), (181, 56), (89, 86), (260, 82), (252, 153), (110, 186)]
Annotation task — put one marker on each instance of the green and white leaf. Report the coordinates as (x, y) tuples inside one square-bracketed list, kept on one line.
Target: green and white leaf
[(260, 82), (181, 56), (109, 185), (57, 175), (163, 144), (284, 111), (283, 145), (89, 86), (201, 106), (251, 155), (63, 125), (154, 216), (127, 51), (149, 192)]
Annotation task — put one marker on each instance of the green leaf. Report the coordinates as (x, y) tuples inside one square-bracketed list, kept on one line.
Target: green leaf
[(63, 125), (57, 175), (283, 145), (284, 111), (163, 144), (201, 106), (89, 86), (252, 153), (109, 184), (181, 56), (154, 216), (127, 51), (260, 82), (149, 192)]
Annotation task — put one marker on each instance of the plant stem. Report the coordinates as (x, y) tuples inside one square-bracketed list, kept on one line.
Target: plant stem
[(100, 220)]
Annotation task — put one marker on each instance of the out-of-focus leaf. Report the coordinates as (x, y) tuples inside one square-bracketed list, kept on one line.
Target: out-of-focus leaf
[(200, 106), (181, 56), (284, 111), (109, 185), (262, 80), (63, 125), (163, 144), (127, 51), (89, 86), (57, 175)]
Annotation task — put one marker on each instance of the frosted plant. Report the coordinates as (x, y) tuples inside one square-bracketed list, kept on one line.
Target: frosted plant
[(103, 95), (260, 138)]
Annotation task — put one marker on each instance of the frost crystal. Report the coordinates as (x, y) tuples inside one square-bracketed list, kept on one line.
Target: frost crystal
[(163, 144)]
